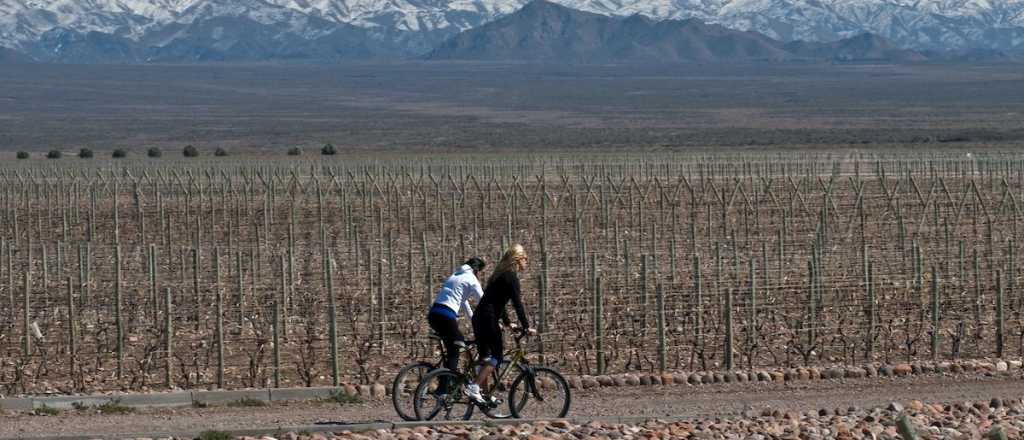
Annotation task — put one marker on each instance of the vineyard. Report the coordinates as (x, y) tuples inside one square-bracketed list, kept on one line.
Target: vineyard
[(153, 274)]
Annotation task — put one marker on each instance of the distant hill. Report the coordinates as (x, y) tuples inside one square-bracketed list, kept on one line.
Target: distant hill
[(11, 56), (863, 47), (545, 31)]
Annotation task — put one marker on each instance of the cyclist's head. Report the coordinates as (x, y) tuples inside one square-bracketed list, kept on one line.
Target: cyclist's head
[(513, 260), (476, 263)]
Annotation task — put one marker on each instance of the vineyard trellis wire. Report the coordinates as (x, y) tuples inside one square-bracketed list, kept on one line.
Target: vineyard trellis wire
[(184, 274)]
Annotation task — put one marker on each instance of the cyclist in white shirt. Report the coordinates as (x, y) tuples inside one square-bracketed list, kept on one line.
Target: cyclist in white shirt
[(453, 300)]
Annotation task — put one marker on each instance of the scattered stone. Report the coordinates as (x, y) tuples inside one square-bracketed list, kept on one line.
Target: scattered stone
[(1002, 366), (378, 390), (895, 407), (915, 405), (632, 380), (902, 370)]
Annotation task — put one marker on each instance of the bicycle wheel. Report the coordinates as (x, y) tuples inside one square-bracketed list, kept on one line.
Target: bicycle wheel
[(499, 387), (439, 396), (402, 389), (539, 393)]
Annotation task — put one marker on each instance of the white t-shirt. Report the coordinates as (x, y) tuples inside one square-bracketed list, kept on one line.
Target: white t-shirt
[(458, 289)]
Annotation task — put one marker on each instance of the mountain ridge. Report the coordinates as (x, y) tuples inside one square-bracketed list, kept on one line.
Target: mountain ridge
[(182, 30), (547, 32)]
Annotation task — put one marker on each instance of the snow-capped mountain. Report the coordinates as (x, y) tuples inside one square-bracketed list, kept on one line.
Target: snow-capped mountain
[(142, 30)]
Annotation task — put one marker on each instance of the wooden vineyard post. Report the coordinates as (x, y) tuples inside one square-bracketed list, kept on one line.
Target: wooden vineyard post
[(11, 288), (332, 317), (935, 312), (543, 295), (168, 338), (197, 302), (240, 290), (869, 343), (661, 329), (698, 320), (728, 349), (118, 318), (26, 344), (276, 327), (380, 305), (72, 331), (153, 291), (427, 275), (599, 325), (46, 272), (220, 317), (643, 292), (752, 322), (1000, 323)]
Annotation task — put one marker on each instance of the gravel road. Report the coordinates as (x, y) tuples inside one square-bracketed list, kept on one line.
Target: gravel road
[(666, 402)]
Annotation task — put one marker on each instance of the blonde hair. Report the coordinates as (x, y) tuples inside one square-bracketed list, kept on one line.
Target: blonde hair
[(509, 261)]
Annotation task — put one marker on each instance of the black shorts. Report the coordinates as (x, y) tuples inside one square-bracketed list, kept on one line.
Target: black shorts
[(489, 342)]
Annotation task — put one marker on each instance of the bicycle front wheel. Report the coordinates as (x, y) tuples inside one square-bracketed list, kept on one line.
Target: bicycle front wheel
[(539, 393), (500, 385), (439, 396), (402, 389)]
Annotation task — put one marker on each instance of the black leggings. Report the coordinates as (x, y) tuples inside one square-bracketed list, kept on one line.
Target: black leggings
[(489, 342), (448, 330)]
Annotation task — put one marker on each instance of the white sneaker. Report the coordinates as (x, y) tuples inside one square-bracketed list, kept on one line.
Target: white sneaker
[(472, 391)]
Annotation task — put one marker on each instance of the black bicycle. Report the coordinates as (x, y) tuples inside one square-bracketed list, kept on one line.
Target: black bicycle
[(533, 392), (409, 377)]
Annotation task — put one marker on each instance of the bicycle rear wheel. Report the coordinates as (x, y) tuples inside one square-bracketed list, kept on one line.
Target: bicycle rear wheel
[(404, 386), (539, 393), (439, 397)]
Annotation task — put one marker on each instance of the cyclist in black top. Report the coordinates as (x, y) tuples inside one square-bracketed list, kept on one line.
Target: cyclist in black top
[(502, 287)]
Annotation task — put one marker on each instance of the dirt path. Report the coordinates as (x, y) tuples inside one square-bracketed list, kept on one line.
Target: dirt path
[(654, 402)]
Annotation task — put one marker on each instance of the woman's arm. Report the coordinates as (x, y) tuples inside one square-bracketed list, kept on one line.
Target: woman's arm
[(517, 301)]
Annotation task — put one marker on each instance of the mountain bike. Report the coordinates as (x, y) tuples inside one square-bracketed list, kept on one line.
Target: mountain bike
[(409, 377), (534, 391)]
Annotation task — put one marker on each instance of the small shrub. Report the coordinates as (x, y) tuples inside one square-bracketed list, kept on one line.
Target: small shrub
[(54, 154), (190, 151), (295, 151), (200, 404), (342, 398), (22, 155), (215, 435), (220, 152), (46, 411), (79, 406), (154, 152), (85, 153), (119, 154), (114, 407), (328, 150), (247, 402)]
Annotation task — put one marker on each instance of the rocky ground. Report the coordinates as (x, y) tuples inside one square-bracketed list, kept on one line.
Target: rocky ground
[(799, 409), (994, 419)]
